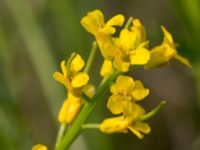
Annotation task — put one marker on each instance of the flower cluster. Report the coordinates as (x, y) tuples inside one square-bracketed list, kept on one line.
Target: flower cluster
[(121, 52), (131, 47)]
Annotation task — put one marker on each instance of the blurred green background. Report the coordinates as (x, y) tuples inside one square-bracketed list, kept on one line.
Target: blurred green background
[(35, 35)]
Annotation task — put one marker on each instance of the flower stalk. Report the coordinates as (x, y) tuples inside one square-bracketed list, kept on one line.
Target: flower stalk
[(61, 132), (91, 126), (155, 111), (91, 57)]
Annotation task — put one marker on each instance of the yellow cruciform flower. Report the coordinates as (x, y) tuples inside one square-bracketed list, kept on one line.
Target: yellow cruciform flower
[(122, 123), (69, 109), (132, 44), (162, 54), (39, 147), (95, 24), (125, 92), (71, 76)]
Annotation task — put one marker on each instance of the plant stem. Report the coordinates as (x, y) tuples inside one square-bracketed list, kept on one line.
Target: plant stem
[(75, 130), (91, 126), (61, 132), (154, 111), (91, 57), (103, 81)]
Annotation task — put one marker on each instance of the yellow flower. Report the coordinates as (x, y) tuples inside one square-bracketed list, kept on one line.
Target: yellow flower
[(39, 147), (124, 93), (132, 44), (69, 109), (71, 76), (162, 54), (133, 38), (95, 24), (123, 123)]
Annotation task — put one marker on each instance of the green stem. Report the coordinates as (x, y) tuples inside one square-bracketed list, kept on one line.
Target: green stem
[(61, 132), (103, 81), (129, 22), (91, 126), (154, 111), (91, 57), (86, 98), (75, 130)]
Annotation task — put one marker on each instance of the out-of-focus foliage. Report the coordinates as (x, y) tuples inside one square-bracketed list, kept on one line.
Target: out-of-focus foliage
[(36, 34)]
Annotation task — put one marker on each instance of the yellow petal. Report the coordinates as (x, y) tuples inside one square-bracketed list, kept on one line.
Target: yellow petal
[(117, 20), (61, 78), (167, 36), (64, 68), (121, 65), (115, 104), (124, 84), (116, 124), (142, 127), (106, 68), (144, 45), (93, 21), (139, 92), (183, 60), (136, 132), (137, 24), (139, 127), (139, 56), (114, 21), (107, 30), (108, 49), (138, 112), (139, 33), (79, 80), (39, 147), (128, 108), (77, 64), (69, 109), (126, 39)]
